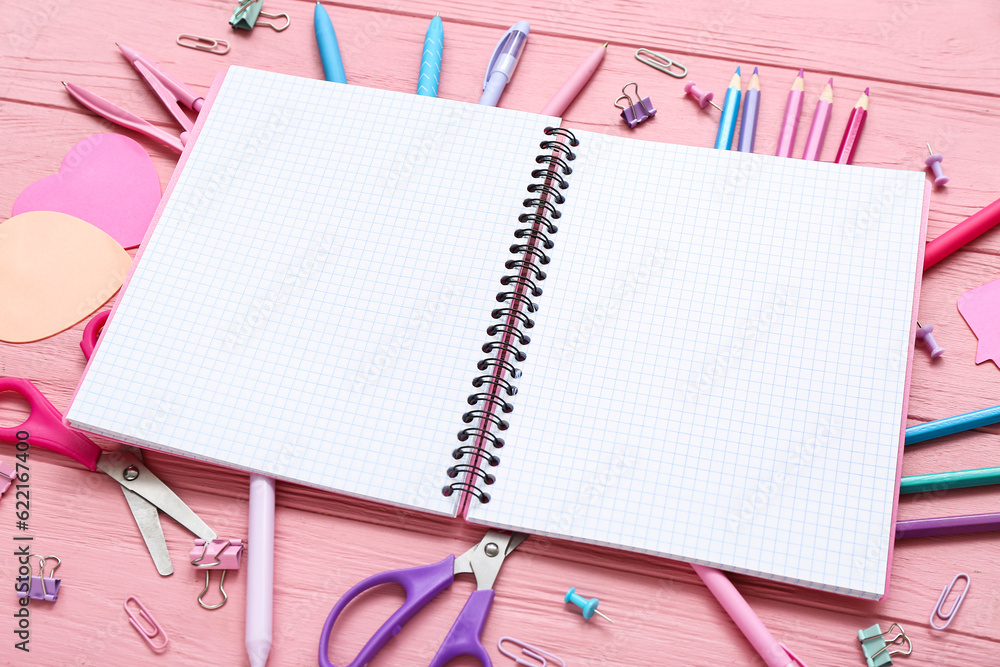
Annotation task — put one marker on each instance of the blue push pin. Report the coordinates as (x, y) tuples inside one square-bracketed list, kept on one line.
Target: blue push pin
[(934, 162), (928, 336), (589, 607)]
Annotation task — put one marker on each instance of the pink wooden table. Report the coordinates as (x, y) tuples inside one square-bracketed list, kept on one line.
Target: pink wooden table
[(935, 77)]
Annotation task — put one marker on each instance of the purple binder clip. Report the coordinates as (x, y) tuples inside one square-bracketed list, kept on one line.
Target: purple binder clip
[(41, 587), (635, 112), (217, 554), (6, 477)]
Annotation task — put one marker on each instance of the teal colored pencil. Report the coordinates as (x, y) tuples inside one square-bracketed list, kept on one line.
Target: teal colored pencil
[(959, 479), (430, 62), (730, 108)]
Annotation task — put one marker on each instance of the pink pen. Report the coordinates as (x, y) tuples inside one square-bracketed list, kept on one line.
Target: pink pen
[(793, 109), (773, 653), (575, 83), (821, 120)]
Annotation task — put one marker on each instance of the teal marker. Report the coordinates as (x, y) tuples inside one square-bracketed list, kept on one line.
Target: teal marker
[(730, 108), (329, 50), (959, 479)]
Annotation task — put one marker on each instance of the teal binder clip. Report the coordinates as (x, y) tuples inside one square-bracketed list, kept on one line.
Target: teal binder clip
[(247, 12), (876, 646)]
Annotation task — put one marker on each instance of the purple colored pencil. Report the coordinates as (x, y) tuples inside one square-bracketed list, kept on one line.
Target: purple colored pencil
[(793, 109), (751, 107), (948, 525)]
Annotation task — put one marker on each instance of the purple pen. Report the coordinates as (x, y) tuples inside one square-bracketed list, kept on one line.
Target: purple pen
[(503, 62)]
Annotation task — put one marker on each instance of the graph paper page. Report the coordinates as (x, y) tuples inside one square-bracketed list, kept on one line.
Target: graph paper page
[(718, 367), (314, 297)]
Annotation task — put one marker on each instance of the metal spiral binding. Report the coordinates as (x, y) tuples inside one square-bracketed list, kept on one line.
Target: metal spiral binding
[(512, 318)]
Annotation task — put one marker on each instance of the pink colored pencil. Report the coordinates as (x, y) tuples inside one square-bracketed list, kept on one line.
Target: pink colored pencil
[(821, 121), (793, 109), (575, 83), (845, 154)]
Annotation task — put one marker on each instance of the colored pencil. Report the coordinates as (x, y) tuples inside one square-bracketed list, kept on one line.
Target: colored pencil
[(793, 110), (957, 479), (821, 121), (730, 109), (751, 107), (947, 525), (845, 154)]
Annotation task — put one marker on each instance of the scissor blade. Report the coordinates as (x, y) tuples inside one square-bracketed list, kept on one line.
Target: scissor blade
[(147, 518), (149, 486)]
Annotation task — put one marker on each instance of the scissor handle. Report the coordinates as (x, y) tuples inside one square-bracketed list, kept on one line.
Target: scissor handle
[(464, 638), (92, 332), (422, 584), (45, 428)]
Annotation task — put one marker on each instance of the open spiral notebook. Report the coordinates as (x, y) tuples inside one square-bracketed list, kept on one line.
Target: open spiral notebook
[(694, 353)]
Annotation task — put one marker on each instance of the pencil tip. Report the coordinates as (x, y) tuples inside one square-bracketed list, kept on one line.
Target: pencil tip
[(737, 70), (801, 72), (754, 70), (830, 82), (866, 91)]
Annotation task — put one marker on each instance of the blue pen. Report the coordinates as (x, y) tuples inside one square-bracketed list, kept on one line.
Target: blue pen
[(730, 108), (329, 51), (430, 62), (503, 62)]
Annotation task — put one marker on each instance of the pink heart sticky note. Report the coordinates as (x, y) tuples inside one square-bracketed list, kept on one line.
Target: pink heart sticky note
[(981, 309), (107, 180), (55, 270)]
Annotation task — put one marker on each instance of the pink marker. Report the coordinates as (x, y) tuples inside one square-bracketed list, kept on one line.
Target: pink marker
[(793, 109), (575, 83), (821, 120)]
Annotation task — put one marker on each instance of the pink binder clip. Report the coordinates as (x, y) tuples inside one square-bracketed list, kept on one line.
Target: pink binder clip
[(41, 587), (6, 477), (635, 112), (219, 554)]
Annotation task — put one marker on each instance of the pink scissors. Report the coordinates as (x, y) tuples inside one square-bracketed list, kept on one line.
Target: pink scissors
[(422, 584), (171, 92), (144, 491)]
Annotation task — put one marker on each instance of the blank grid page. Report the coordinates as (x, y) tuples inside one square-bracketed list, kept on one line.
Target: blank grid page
[(718, 367), (313, 299)]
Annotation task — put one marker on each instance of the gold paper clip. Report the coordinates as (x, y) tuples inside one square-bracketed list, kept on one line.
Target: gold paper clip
[(216, 46), (661, 62)]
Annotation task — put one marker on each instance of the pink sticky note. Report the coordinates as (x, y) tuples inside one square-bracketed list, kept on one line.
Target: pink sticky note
[(981, 309), (107, 180)]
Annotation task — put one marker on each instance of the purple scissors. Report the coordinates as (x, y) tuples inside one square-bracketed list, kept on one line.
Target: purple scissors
[(422, 584)]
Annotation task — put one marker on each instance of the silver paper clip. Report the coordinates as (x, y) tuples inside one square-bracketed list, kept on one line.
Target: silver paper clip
[(217, 46), (661, 62), (245, 16), (939, 607)]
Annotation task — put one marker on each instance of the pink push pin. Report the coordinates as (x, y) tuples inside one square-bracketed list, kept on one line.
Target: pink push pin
[(928, 336), (704, 98), (934, 162)]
